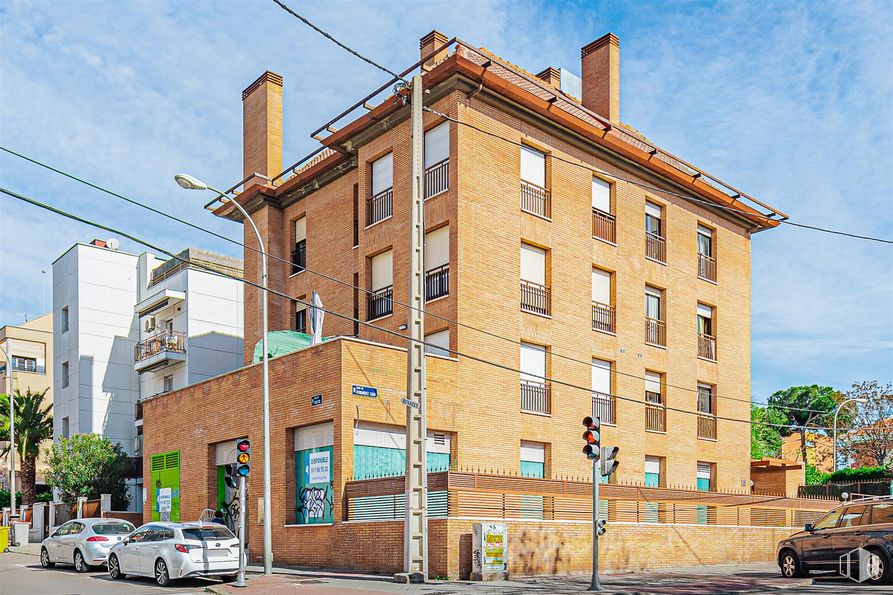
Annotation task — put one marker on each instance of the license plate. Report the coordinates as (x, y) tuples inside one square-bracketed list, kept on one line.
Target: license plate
[(218, 553)]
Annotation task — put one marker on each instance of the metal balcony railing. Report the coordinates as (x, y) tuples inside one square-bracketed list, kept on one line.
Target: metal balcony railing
[(603, 226), (535, 199), (299, 257), (437, 178), (655, 417), (379, 206), (706, 346), (604, 407), (602, 317), (536, 397), (535, 298), (655, 332), (166, 341), (655, 247), (380, 303), (437, 282), (707, 426), (707, 267)]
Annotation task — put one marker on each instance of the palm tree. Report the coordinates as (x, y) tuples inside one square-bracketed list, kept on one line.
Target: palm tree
[(34, 424)]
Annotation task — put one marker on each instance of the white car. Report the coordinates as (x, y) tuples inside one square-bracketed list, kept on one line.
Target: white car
[(167, 551), (83, 542)]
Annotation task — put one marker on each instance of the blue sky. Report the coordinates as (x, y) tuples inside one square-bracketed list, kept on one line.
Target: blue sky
[(791, 101)]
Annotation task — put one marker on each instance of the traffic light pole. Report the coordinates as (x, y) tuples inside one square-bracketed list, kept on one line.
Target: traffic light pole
[(594, 584), (243, 508)]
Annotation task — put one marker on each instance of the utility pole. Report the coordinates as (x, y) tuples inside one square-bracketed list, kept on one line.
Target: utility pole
[(415, 524), (594, 584), (12, 435), (243, 509)]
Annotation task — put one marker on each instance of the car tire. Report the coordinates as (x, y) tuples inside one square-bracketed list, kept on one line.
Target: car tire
[(162, 577), (885, 576), (790, 565), (229, 578), (45, 558), (80, 565), (115, 568)]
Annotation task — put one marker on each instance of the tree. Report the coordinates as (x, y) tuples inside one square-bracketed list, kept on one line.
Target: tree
[(872, 442), (34, 424), (765, 440), (806, 407), (89, 465)]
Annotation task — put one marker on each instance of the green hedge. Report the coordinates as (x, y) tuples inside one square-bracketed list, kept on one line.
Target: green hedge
[(859, 474), (4, 498)]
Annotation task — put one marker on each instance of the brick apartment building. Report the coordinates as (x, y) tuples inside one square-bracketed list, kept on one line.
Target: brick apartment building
[(537, 200)]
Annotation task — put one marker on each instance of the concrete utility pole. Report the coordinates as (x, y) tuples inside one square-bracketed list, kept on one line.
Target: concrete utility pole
[(415, 524), (12, 435), (594, 584)]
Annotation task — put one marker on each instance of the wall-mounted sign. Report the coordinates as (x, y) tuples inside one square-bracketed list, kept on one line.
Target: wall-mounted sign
[(409, 403), (364, 391), (164, 500), (316, 400), (489, 549)]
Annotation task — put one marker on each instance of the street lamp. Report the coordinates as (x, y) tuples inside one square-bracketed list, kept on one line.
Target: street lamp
[(12, 435), (190, 183), (836, 411)]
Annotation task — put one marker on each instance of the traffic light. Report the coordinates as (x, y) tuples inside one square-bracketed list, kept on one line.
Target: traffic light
[(608, 459), (600, 526), (591, 437), (229, 475), (243, 458)]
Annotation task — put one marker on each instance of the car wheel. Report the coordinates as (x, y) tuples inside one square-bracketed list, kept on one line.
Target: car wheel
[(229, 578), (790, 565), (879, 570), (115, 568), (45, 558), (79, 564), (161, 575)]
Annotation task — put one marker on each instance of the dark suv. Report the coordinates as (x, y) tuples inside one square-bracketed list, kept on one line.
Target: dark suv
[(866, 524)]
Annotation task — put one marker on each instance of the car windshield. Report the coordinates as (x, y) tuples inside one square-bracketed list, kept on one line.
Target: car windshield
[(208, 532), (829, 520), (113, 528)]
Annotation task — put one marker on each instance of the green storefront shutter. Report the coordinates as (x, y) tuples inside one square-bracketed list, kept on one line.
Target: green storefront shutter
[(166, 474)]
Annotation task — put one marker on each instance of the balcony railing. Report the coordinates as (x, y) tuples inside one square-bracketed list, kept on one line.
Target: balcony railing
[(603, 226), (604, 407), (602, 317), (437, 282), (167, 341), (707, 267), (535, 298), (535, 199), (437, 178), (655, 332), (380, 206), (655, 417), (706, 346), (299, 258), (655, 247), (536, 397), (707, 426), (380, 303)]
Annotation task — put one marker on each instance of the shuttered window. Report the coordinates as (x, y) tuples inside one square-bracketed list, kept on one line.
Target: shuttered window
[(601, 287), (533, 264), (601, 376), (382, 174), (438, 343), (437, 247), (653, 393), (533, 166), (382, 270), (601, 195), (533, 363), (437, 144)]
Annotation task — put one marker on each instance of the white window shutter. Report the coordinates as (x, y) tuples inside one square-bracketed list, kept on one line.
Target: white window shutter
[(601, 195), (601, 376), (382, 174), (533, 166), (437, 144), (382, 270), (533, 362), (300, 229), (437, 247), (533, 264), (601, 286)]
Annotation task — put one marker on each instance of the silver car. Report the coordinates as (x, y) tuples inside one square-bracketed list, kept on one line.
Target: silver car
[(83, 542), (166, 551)]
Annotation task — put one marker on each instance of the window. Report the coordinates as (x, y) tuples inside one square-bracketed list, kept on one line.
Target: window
[(168, 383), (655, 247), (65, 427), (535, 295), (653, 392), (380, 301), (602, 308), (705, 241), (602, 396), (356, 215), (314, 461), (655, 408), (300, 317), (437, 263), (652, 471), (705, 476), (829, 521), (64, 374), (380, 205), (706, 403), (534, 196), (64, 318), (853, 516), (881, 513), (706, 259), (438, 343), (655, 331), (706, 335), (437, 160), (533, 459), (602, 219), (380, 451), (24, 364), (299, 253), (535, 393)]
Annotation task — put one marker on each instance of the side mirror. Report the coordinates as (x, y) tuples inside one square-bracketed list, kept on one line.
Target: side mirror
[(809, 528), (127, 540)]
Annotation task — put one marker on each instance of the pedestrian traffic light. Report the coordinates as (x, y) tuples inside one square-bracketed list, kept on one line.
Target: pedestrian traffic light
[(229, 475), (608, 459), (591, 437), (243, 458), (600, 526)]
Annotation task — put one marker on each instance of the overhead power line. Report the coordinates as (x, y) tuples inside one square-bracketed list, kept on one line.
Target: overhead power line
[(362, 289), (457, 353)]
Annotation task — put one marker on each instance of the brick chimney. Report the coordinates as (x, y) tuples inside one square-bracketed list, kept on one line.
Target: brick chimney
[(552, 76), (262, 127), (428, 44), (601, 76)]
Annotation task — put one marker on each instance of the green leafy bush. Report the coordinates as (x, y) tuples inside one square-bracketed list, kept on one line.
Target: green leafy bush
[(858, 474), (815, 477), (89, 465)]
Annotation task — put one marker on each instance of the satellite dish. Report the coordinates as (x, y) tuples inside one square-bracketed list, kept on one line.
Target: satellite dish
[(112, 243)]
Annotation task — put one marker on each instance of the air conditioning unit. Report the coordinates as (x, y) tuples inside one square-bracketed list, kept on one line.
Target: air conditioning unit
[(150, 324)]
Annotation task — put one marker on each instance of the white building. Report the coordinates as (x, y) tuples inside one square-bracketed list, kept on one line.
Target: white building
[(131, 326)]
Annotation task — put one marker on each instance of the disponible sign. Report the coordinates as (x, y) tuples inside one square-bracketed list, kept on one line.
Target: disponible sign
[(364, 391), (164, 500), (319, 467), (489, 550)]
